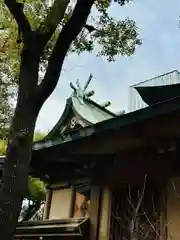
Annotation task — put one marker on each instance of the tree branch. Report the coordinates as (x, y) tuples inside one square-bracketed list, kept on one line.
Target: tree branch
[(90, 28), (52, 20), (67, 35), (136, 209), (17, 11)]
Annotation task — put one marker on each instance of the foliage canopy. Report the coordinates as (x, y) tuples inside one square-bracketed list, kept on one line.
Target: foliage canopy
[(113, 37), (104, 34)]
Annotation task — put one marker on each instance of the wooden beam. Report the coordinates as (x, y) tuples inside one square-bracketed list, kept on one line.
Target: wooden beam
[(94, 212)]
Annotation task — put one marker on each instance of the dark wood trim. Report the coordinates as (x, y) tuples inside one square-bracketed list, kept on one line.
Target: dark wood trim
[(165, 213), (69, 228), (99, 213), (73, 201), (61, 187), (95, 211), (49, 200)]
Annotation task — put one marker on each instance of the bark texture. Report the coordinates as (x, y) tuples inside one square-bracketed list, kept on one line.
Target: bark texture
[(15, 176)]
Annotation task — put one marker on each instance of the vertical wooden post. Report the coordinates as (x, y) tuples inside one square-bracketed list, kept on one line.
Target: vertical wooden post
[(47, 204), (73, 201), (105, 214), (94, 212)]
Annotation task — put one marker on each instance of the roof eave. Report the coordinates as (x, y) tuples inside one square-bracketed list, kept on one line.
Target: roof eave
[(162, 108)]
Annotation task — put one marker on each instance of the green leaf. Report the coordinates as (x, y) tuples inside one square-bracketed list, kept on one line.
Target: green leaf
[(113, 37), (3, 145), (36, 190)]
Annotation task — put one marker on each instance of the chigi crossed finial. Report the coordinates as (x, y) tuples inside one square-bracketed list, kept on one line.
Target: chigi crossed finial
[(81, 92)]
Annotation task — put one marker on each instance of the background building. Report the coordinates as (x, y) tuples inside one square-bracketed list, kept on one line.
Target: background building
[(135, 101)]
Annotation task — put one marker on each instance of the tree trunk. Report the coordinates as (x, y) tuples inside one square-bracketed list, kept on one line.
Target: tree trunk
[(30, 100), (15, 176)]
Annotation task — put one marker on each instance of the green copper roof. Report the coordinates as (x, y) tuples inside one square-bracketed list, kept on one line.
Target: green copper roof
[(89, 110), (85, 107), (81, 109), (162, 108)]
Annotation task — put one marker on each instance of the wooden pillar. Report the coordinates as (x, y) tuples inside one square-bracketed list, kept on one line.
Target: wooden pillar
[(94, 212), (47, 203), (105, 214)]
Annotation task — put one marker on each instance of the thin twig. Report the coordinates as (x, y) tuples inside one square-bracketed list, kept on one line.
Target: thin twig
[(138, 206), (152, 226), (175, 190)]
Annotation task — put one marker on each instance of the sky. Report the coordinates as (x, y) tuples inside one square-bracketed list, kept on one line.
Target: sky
[(159, 27)]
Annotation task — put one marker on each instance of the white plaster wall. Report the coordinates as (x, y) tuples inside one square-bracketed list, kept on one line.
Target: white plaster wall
[(61, 204)]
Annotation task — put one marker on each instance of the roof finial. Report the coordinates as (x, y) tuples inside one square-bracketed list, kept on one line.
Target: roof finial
[(106, 104), (73, 87), (81, 92), (122, 112), (88, 82), (78, 84), (89, 94)]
